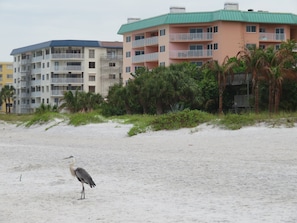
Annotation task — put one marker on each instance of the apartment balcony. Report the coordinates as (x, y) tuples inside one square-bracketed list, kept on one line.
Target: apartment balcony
[(67, 56), (190, 54), (37, 59), (66, 81), (63, 69), (25, 61), (278, 37), (110, 57), (36, 94), (145, 42), (35, 82), (36, 70), (190, 37), (145, 58), (60, 93)]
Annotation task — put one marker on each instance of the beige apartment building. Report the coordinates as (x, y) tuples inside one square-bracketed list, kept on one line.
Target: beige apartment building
[(6, 78), (44, 71), (198, 37)]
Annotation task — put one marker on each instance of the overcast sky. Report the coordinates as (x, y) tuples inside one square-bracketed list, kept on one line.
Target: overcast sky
[(27, 22)]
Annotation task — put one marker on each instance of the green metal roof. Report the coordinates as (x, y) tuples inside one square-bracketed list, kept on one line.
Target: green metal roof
[(203, 17)]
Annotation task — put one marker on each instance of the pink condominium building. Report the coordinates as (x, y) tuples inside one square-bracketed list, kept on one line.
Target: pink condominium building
[(198, 37)]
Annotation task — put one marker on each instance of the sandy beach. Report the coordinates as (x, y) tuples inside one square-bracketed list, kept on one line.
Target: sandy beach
[(202, 175)]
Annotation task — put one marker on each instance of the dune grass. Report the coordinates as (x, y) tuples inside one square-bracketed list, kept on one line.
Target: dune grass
[(170, 121)]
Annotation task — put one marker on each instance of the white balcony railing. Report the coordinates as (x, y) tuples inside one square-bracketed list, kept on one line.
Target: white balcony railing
[(145, 42), (184, 54), (60, 92), (67, 80), (190, 37), (66, 69), (145, 58), (272, 36), (67, 56)]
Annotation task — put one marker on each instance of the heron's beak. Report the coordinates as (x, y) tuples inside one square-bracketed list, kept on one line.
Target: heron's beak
[(68, 157)]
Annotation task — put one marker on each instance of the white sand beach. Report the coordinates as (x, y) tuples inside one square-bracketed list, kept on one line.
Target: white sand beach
[(202, 175)]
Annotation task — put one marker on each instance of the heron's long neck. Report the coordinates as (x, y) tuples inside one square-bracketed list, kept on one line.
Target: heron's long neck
[(72, 168)]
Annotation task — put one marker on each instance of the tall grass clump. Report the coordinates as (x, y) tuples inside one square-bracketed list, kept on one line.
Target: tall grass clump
[(42, 118), (235, 121), (183, 119), (77, 119)]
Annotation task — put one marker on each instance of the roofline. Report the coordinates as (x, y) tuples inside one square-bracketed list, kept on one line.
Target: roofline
[(63, 43), (219, 15)]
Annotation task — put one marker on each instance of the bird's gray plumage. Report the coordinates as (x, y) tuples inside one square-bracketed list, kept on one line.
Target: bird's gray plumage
[(84, 177)]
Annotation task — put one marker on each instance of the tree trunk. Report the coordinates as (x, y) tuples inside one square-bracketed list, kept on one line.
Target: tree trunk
[(220, 101), (159, 107), (256, 97)]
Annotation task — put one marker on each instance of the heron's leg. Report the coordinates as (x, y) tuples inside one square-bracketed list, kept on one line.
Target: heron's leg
[(82, 192)]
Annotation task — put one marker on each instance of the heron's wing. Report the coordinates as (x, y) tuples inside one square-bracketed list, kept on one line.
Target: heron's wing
[(84, 177)]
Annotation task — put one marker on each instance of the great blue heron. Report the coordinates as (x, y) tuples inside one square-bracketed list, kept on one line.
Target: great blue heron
[(82, 175)]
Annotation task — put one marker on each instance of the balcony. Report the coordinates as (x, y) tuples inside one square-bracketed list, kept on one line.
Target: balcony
[(63, 56), (145, 42), (60, 92), (66, 81), (190, 37), (35, 82), (36, 94), (67, 69), (145, 58), (37, 59), (190, 54), (278, 37)]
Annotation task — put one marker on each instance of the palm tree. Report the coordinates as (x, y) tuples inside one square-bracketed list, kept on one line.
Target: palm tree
[(6, 94), (221, 71), (71, 101), (253, 59), (279, 66)]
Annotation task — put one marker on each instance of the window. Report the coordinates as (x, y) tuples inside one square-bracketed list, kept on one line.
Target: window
[(91, 64), (112, 76), (9, 76), (197, 63), (251, 46), (9, 67), (128, 54), (215, 46), (128, 39), (138, 37), (91, 53), (92, 78), (140, 52), (162, 48), (261, 30), (162, 32), (250, 29), (112, 64), (92, 89), (262, 46), (47, 76), (162, 64), (47, 64), (47, 100), (128, 69), (280, 33), (215, 29), (138, 67), (277, 47)]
